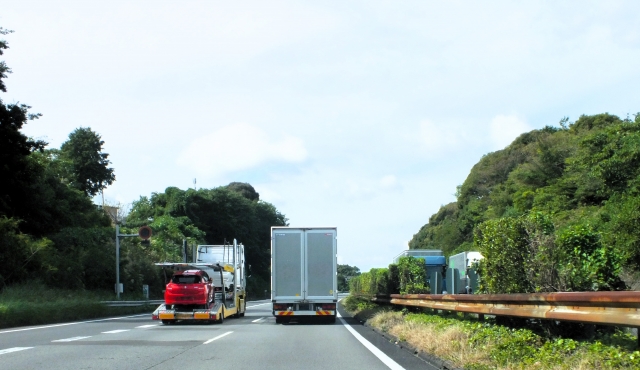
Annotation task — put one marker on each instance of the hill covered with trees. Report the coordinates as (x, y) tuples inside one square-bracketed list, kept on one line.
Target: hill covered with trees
[(583, 175)]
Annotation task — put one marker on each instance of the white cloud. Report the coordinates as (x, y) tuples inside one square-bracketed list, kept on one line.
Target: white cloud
[(438, 139), (239, 147), (504, 129), (388, 182)]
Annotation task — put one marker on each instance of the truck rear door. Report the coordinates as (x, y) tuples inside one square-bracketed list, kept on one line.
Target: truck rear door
[(320, 260), (288, 261)]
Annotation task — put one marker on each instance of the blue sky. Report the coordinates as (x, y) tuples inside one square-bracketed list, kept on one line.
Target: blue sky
[(363, 115)]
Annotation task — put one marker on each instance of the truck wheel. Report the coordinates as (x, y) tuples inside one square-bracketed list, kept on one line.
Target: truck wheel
[(279, 320), (241, 314), (167, 322), (221, 320)]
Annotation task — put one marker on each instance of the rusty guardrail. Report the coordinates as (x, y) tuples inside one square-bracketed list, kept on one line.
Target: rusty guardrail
[(609, 308)]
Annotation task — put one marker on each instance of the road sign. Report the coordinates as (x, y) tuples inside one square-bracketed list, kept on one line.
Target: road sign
[(144, 232)]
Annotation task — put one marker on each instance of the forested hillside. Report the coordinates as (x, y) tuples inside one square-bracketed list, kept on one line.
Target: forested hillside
[(209, 216), (582, 175), (51, 232)]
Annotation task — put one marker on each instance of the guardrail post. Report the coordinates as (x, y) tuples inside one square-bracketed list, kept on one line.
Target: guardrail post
[(481, 317)]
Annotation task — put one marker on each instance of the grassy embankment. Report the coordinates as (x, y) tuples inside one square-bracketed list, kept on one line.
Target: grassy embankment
[(472, 344), (35, 304)]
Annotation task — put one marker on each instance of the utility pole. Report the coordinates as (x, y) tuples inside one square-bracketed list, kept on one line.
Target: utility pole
[(118, 236)]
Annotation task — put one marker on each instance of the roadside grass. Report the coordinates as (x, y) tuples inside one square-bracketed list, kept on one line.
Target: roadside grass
[(473, 344), (35, 304)]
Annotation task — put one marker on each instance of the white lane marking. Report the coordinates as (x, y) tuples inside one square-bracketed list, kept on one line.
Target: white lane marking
[(260, 319), (218, 337), (114, 331), (256, 305), (14, 349), (71, 323), (146, 326), (376, 352), (69, 339)]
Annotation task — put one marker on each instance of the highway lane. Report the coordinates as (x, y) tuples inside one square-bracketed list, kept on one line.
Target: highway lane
[(252, 342)]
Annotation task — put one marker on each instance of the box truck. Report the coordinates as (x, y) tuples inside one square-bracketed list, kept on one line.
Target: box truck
[(304, 273)]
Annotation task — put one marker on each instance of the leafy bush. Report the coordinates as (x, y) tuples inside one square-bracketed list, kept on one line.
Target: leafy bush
[(524, 255)]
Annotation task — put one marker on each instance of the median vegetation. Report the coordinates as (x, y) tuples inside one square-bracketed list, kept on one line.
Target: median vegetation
[(36, 304)]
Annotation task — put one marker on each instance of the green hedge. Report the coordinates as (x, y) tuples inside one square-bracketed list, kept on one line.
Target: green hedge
[(407, 277)]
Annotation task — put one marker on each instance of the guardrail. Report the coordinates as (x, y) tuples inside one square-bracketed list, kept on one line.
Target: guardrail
[(608, 308), (133, 303)]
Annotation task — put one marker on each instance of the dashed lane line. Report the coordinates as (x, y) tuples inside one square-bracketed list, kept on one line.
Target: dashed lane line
[(260, 319), (14, 349), (146, 326), (218, 337), (69, 339), (114, 331)]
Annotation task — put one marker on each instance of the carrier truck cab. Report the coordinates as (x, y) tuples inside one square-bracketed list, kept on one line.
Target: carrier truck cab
[(304, 273)]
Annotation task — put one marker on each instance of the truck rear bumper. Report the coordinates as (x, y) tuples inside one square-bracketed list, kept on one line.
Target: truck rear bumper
[(305, 313)]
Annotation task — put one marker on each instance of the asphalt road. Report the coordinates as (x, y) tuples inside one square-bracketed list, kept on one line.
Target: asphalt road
[(251, 342)]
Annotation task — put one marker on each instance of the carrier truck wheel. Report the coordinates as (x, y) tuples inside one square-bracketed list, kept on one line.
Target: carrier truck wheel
[(241, 314), (221, 320)]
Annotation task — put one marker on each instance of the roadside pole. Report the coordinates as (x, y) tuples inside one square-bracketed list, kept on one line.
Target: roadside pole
[(118, 236)]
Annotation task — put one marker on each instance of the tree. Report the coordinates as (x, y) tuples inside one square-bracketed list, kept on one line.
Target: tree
[(15, 147), (85, 163), (345, 273), (244, 189)]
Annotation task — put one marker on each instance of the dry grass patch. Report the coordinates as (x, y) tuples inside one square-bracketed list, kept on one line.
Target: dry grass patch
[(450, 343), (477, 345)]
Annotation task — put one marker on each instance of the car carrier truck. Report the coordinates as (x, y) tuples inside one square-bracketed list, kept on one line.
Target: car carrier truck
[(304, 273), (208, 290)]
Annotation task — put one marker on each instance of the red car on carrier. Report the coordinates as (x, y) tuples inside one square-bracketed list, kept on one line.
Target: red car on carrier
[(189, 288)]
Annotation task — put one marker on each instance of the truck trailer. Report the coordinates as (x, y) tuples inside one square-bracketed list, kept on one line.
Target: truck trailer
[(304, 273), (209, 290)]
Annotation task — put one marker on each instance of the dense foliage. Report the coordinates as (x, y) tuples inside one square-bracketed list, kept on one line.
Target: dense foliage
[(51, 231), (210, 216), (407, 277), (346, 273), (582, 178)]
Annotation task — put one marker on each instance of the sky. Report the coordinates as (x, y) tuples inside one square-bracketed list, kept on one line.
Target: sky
[(363, 115)]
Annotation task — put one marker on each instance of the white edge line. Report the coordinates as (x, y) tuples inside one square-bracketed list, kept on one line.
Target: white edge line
[(376, 352), (14, 349), (262, 318), (218, 337), (71, 323), (69, 339)]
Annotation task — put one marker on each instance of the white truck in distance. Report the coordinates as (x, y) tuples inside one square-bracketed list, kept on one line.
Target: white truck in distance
[(304, 273)]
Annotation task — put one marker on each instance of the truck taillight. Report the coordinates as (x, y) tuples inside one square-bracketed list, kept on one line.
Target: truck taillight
[(328, 306), (279, 307)]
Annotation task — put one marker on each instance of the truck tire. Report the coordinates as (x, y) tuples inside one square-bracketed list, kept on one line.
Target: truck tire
[(167, 322), (221, 320), (241, 314), (279, 320)]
